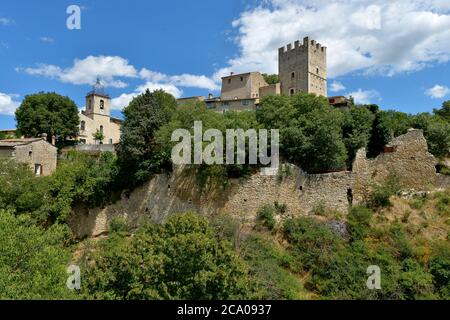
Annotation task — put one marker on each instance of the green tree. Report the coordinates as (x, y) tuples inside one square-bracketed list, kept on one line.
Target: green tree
[(271, 78), (357, 128), (444, 111), (48, 113), (437, 132), (310, 129), (21, 191), (386, 126), (181, 259), (33, 261), (139, 153), (80, 179), (98, 136)]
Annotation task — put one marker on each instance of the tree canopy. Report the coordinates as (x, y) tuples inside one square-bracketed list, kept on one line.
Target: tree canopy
[(271, 78), (181, 259), (139, 154), (48, 113), (310, 129)]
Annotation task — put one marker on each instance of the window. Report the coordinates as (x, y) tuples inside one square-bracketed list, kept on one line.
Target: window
[(101, 129), (293, 75), (82, 141), (30, 153), (38, 169), (242, 79), (83, 126), (245, 102), (102, 105), (317, 70), (291, 92), (225, 104), (110, 141), (89, 104), (229, 81)]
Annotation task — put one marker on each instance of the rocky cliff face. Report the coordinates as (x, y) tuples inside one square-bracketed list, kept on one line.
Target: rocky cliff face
[(406, 156)]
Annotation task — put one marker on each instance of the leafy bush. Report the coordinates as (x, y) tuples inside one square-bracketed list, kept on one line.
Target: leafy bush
[(181, 259), (266, 217), (81, 179), (381, 193), (118, 225), (270, 277), (280, 208), (312, 242), (33, 260), (359, 221), (443, 203), (21, 192), (439, 266)]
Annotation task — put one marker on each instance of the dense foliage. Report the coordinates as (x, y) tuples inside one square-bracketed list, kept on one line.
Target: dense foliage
[(33, 261), (48, 113), (190, 258), (310, 129), (181, 259), (271, 78), (139, 153)]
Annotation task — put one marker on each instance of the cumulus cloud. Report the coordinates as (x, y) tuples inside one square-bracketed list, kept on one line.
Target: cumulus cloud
[(124, 99), (368, 36), (336, 86), (438, 92), (365, 96), (7, 103), (85, 71)]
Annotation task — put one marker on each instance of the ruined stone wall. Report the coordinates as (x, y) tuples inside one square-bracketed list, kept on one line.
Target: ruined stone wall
[(406, 157), (301, 192)]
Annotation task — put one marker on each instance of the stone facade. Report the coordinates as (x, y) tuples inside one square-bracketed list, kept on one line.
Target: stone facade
[(270, 90), (37, 152), (303, 68), (96, 116), (407, 157)]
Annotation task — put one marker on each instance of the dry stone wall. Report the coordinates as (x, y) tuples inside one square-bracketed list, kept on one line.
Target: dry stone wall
[(164, 195)]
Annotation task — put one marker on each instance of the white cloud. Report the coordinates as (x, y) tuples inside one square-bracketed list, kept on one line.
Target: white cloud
[(336, 86), (124, 99), (47, 39), (437, 92), (7, 103), (365, 96), (370, 36), (183, 80), (5, 21), (85, 71)]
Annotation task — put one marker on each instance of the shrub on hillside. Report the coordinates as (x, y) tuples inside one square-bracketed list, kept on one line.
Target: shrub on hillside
[(266, 217), (382, 193), (312, 241), (181, 259)]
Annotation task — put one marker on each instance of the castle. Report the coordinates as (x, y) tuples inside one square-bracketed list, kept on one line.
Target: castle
[(302, 67)]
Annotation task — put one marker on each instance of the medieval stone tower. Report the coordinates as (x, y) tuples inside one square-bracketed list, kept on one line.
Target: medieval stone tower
[(303, 68)]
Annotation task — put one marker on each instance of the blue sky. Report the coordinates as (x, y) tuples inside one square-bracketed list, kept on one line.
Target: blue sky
[(396, 55)]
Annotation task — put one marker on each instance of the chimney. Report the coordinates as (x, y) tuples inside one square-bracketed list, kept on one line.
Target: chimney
[(231, 73), (44, 136), (210, 95)]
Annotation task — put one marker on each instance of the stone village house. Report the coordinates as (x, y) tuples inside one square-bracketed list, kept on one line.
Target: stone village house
[(40, 155)]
